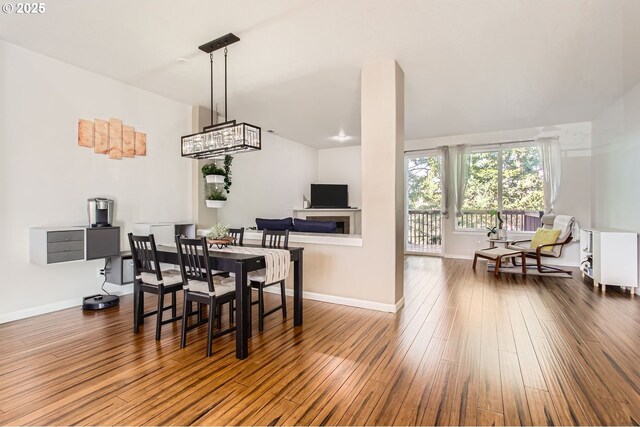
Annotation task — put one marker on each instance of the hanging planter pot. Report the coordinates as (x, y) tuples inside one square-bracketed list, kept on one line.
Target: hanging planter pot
[(214, 179), (215, 203)]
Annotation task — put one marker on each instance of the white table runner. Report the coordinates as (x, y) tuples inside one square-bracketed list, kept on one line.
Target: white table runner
[(277, 261)]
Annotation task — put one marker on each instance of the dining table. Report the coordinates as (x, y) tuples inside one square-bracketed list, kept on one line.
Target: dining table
[(242, 264)]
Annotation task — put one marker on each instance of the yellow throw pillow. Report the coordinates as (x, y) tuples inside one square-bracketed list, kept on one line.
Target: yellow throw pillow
[(544, 236)]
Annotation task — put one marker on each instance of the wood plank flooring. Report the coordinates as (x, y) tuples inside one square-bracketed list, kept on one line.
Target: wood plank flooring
[(466, 349)]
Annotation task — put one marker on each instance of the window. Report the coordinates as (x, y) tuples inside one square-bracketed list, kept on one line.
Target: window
[(507, 179)]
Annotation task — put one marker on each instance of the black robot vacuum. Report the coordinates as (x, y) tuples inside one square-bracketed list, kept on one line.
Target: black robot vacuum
[(100, 302)]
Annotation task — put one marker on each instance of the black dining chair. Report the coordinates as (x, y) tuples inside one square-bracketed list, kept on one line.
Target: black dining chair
[(238, 235), (276, 239), (202, 287), (149, 278)]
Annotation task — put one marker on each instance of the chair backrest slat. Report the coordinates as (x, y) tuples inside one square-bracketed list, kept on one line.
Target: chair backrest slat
[(275, 239)]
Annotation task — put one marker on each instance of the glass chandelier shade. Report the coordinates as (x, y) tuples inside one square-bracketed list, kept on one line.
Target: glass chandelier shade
[(221, 139)]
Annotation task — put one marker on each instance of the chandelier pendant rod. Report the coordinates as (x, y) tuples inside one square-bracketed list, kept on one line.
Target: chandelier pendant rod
[(211, 105), (226, 111)]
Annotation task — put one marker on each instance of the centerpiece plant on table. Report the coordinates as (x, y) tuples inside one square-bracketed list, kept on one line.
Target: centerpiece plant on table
[(218, 231)]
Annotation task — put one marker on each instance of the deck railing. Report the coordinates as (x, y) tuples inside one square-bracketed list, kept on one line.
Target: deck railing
[(425, 226), (514, 220)]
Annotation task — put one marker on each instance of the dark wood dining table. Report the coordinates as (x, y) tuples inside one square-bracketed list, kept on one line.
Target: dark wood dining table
[(241, 264)]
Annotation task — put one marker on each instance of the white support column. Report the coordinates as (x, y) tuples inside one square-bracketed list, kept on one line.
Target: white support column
[(383, 174)]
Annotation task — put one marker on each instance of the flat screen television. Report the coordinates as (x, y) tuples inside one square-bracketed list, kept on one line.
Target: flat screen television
[(329, 196)]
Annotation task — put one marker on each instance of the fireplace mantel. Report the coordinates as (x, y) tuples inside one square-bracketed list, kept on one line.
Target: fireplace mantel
[(354, 216)]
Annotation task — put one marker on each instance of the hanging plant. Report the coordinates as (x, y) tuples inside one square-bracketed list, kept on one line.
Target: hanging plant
[(211, 169), (216, 194), (227, 172)]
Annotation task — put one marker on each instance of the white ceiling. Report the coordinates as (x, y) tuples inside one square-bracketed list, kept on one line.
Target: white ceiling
[(470, 66)]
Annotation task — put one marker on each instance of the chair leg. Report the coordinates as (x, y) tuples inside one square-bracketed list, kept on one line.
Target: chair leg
[(140, 307), (174, 309), (250, 314), (260, 308), (136, 309), (186, 311), (283, 298), (212, 310), (524, 263), (159, 315)]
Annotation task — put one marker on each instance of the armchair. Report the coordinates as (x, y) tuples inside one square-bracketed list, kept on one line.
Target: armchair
[(565, 224)]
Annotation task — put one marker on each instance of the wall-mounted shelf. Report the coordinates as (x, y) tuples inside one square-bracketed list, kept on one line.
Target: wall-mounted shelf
[(53, 245)]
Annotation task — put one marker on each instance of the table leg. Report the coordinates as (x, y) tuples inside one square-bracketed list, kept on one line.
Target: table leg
[(498, 262), (242, 312), (297, 291)]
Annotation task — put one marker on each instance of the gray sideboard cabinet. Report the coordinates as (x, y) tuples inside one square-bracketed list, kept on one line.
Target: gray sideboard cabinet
[(53, 245)]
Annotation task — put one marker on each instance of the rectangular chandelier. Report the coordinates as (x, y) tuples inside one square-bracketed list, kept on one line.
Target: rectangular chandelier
[(220, 139)]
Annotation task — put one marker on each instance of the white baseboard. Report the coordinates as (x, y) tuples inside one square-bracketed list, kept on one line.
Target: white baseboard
[(351, 302), (43, 309), (124, 290), (56, 306)]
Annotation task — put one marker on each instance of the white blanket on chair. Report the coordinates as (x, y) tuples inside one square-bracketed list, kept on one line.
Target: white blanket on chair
[(277, 261)]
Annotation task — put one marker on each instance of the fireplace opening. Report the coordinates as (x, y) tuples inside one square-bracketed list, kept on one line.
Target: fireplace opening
[(342, 222)]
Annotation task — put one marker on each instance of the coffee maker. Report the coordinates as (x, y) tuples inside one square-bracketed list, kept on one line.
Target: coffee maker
[(100, 212)]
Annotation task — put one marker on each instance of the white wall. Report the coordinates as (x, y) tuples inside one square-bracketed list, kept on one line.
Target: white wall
[(574, 197), (342, 165), (45, 178), (616, 164), (269, 183)]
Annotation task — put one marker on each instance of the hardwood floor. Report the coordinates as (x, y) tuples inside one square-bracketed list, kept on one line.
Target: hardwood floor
[(467, 349)]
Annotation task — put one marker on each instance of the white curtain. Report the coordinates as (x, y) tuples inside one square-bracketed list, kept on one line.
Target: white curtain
[(445, 179), (460, 166), (550, 154)]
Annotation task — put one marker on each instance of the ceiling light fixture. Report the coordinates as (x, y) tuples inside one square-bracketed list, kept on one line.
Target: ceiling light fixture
[(341, 137), (228, 137)]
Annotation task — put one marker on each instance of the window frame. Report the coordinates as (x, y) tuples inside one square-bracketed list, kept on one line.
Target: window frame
[(486, 148)]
